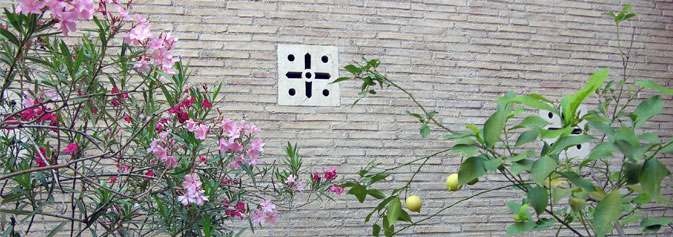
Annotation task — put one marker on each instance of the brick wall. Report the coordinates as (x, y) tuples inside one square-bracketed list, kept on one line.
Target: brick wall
[(454, 56)]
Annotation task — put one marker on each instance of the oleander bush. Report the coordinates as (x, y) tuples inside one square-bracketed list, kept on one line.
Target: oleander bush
[(102, 132)]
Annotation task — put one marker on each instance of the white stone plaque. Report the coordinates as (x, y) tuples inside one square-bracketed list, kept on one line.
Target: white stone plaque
[(580, 151), (305, 73)]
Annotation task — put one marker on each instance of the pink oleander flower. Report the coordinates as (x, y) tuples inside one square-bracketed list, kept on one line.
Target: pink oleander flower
[(230, 128), (27, 100), (191, 182), (267, 206), (236, 164), (257, 145), (206, 104), (230, 145), (71, 148), (150, 174), (201, 132), (163, 58), (40, 154), (30, 6), (138, 34), (67, 21), (316, 176), (127, 118), (290, 179), (238, 210), (330, 174), (155, 43), (254, 158), (170, 162), (298, 185), (84, 8), (142, 65), (336, 189), (123, 13), (257, 217), (191, 125), (271, 218)]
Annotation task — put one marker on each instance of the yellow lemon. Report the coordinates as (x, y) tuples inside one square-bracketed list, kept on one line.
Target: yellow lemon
[(452, 182), (414, 203)]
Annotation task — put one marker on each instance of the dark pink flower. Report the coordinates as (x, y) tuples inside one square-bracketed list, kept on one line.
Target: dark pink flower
[(41, 153), (206, 104), (72, 147), (316, 176), (330, 174), (149, 173)]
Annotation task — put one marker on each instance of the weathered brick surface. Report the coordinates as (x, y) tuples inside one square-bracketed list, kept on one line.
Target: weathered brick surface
[(454, 56)]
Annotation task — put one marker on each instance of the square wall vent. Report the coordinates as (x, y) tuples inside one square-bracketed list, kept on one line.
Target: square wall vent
[(305, 73), (581, 150)]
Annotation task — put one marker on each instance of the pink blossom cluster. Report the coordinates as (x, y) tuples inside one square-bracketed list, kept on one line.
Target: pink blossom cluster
[(238, 211), (233, 135), (267, 213), (329, 175), (34, 111), (158, 147), (200, 131), (294, 183), (118, 96), (336, 189), (159, 47), (192, 192), (179, 109), (66, 12)]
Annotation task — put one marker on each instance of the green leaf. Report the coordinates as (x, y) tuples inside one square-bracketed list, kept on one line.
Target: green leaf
[(534, 101), (547, 134), (531, 121), (359, 191), (653, 172), (520, 228), (55, 231), (405, 216), (578, 181), (394, 211), (471, 169), (466, 150), (542, 168), (526, 137), (569, 141), (649, 137), (493, 128), (376, 193), (602, 151), (652, 85), (492, 165), (353, 69), (646, 110), (576, 99), (653, 225), (376, 229), (559, 193), (522, 165), (538, 198), (378, 177), (425, 130), (607, 212), (340, 79)]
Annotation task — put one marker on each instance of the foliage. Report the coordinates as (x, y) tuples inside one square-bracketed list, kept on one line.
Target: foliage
[(110, 138), (590, 195)]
